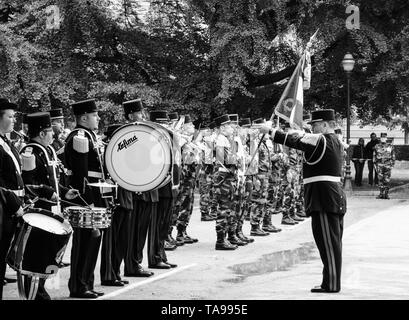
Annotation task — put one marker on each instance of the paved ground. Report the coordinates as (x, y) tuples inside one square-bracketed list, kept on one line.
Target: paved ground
[(281, 266)]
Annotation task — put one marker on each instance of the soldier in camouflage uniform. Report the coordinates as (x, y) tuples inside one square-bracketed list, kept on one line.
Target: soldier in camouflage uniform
[(206, 176), (273, 186), (290, 177), (224, 182), (246, 191), (190, 160), (262, 168), (384, 160), (237, 149)]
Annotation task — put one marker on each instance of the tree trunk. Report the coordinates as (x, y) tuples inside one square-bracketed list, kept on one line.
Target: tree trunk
[(406, 136)]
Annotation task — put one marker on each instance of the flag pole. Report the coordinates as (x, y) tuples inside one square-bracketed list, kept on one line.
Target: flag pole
[(308, 45)]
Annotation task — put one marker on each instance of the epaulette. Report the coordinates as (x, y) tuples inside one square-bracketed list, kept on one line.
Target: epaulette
[(311, 138), (28, 160), (80, 142)]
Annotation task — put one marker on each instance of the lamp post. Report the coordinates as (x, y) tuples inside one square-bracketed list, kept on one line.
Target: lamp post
[(348, 65)]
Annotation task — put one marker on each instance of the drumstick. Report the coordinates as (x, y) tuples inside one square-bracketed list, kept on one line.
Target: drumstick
[(82, 199)]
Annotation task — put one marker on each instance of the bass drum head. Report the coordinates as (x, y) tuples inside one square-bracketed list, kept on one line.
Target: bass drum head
[(139, 156)]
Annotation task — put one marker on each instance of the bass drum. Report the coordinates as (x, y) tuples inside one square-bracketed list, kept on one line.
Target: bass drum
[(139, 156), (39, 245)]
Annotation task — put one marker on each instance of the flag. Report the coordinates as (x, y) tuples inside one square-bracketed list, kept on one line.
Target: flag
[(290, 105)]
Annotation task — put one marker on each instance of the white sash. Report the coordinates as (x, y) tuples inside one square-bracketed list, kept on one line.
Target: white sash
[(11, 154)]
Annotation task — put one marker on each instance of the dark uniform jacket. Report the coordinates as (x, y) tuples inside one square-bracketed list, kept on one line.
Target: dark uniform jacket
[(85, 165), (9, 204), (10, 177), (321, 170), (43, 173)]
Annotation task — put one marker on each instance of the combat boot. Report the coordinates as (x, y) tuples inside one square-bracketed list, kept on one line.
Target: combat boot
[(233, 239), (268, 226), (169, 246), (386, 194), (241, 236), (222, 243), (256, 231), (381, 194), (296, 218), (181, 235), (206, 217), (188, 238), (287, 220)]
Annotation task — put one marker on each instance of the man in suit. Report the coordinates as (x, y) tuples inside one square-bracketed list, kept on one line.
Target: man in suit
[(325, 200)]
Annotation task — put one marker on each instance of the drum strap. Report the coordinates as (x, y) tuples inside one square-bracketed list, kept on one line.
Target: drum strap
[(53, 164)]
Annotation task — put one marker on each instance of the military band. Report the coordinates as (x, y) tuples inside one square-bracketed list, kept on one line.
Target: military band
[(241, 172)]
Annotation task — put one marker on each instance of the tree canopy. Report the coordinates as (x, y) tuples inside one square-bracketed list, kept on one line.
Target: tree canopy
[(203, 57)]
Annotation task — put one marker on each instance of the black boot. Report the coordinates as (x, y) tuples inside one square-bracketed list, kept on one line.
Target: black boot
[(222, 243), (181, 235), (386, 193), (242, 237), (189, 238), (381, 194), (268, 226), (233, 239), (256, 231)]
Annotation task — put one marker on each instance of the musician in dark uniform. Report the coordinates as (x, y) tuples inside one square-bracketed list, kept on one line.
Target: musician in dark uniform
[(39, 170), (143, 206), (324, 197), (58, 144), (119, 224), (10, 178), (83, 161), (10, 208), (161, 219)]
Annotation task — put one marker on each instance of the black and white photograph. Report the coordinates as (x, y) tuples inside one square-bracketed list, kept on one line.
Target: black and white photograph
[(203, 155)]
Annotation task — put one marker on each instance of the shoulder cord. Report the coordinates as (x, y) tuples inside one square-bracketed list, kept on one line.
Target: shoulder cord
[(320, 157), (48, 162), (95, 148)]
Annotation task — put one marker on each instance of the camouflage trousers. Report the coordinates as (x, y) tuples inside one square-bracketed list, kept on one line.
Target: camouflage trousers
[(290, 192), (243, 192), (273, 193), (259, 198), (225, 185), (384, 176), (185, 199), (208, 205), (299, 202), (246, 203)]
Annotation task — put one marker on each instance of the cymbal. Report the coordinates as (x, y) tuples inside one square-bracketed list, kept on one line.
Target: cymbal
[(102, 185)]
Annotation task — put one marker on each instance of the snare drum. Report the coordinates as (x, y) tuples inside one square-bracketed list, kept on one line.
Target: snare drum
[(39, 245), (95, 218), (139, 156)]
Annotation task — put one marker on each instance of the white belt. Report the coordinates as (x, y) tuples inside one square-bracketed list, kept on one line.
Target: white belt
[(322, 178), (18, 193), (95, 174)]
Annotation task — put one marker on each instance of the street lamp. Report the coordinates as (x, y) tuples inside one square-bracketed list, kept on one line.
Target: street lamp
[(348, 65)]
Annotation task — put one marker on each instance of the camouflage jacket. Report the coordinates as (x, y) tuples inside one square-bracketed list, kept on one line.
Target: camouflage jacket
[(384, 154)]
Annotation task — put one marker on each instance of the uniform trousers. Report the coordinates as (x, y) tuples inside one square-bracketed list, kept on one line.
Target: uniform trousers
[(327, 229)]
